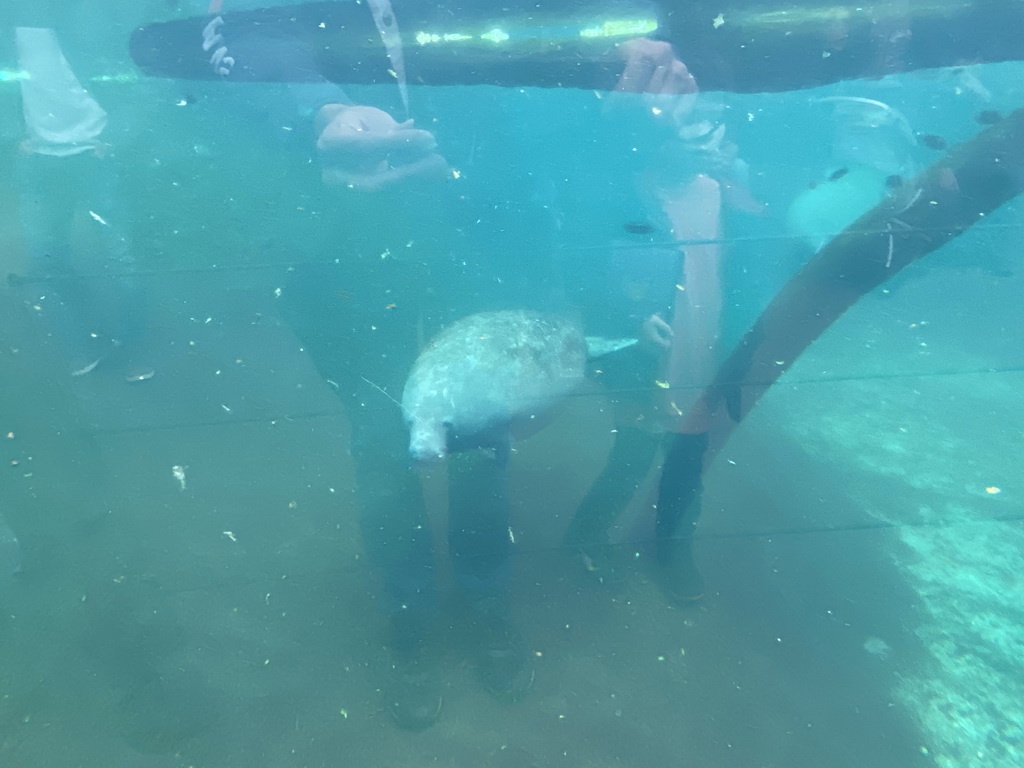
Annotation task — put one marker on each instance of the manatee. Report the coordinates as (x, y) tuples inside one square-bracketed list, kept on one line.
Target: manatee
[(487, 375)]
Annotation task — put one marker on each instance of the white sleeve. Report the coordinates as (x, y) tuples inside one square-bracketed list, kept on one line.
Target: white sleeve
[(61, 117)]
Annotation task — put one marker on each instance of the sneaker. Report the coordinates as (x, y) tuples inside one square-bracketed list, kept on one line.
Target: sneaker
[(413, 695), (504, 665)]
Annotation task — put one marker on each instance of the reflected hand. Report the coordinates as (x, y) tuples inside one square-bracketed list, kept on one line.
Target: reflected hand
[(655, 334), (213, 39), (365, 148), (652, 67)]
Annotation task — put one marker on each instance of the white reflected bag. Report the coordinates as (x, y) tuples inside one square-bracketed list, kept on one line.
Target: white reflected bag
[(61, 118)]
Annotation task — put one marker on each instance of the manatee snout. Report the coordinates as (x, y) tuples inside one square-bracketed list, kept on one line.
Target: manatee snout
[(428, 441)]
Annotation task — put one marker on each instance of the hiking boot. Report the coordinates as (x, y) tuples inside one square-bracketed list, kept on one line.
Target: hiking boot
[(504, 663), (413, 694), (677, 573)]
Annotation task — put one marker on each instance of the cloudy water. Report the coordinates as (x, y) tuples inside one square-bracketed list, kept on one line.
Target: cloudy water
[(739, 486)]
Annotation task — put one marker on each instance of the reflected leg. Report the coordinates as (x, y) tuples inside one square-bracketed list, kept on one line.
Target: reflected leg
[(632, 456), (627, 375), (393, 519), (393, 522), (695, 210), (123, 292), (96, 305), (478, 535), (50, 188), (480, 541), (680, 492), (398, 540)]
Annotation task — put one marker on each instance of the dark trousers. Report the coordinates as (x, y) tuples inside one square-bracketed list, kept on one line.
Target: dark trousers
[(339, 312)]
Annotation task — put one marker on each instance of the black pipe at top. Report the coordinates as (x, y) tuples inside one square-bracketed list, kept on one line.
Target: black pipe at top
[(742, 47)]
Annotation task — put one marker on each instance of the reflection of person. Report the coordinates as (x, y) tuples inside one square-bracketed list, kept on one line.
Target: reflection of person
[(65, 168), (388, 182), (672, 300), (872, 152)]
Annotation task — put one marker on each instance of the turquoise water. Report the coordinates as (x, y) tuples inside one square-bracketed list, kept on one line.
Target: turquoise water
[(191, 584)]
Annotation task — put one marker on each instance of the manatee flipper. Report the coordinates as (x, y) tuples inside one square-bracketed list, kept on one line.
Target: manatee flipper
[(599, 346)]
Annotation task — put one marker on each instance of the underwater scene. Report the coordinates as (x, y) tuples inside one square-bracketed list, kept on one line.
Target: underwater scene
[(525, 385)]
